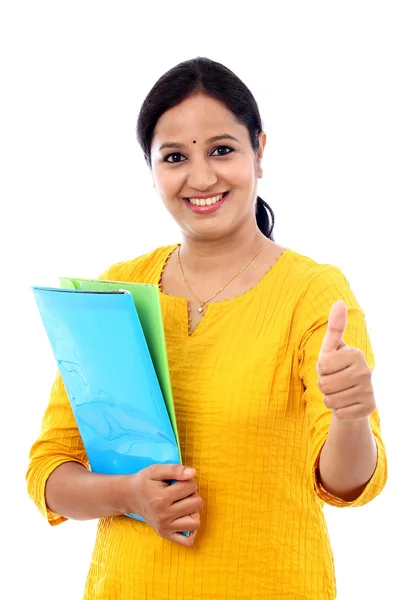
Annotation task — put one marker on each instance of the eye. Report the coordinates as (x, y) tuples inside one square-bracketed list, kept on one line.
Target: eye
[(175, 157), (222, 150)]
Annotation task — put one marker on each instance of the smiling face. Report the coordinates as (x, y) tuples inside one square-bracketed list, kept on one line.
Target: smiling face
[(205, 169)]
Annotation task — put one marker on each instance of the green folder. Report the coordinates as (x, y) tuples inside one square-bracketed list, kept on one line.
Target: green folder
[(147, 302)]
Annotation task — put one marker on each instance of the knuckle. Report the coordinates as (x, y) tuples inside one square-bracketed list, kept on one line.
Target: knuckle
[(195, 503), (367, 388), (151, 472), (182, 540), (196, 520), (323, 364), (161, 520), (358, 355), (156, 505), (189, 541), (322, 385), (367, 373), (341, 414)]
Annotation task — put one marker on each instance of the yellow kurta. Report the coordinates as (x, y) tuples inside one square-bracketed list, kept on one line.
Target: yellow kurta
[(252, 422)]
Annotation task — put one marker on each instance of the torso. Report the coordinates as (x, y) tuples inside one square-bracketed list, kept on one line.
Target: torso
[(246, 427), (173, 284)]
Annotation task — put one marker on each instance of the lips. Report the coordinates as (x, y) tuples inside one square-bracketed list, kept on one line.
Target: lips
[(206, 208), (206, 200)]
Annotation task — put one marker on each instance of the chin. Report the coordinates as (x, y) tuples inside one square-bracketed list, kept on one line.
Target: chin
[(211, 231)]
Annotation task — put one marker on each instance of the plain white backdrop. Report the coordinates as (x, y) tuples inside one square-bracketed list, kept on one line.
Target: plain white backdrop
[(76, 197)]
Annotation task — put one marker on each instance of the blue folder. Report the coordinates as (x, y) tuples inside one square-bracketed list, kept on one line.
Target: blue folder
[(105, 364)]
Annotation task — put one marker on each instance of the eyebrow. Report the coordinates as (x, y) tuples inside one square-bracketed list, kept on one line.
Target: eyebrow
[(216, 138)]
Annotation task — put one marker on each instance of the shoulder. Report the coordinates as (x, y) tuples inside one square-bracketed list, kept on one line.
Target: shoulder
[(317, 286), (145, 268), (313, 276), (320, 286)]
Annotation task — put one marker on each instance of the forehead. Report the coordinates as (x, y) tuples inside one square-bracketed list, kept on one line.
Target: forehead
[(198, 116)]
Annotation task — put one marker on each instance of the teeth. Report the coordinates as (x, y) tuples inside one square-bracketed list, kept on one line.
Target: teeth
[(205, 202)]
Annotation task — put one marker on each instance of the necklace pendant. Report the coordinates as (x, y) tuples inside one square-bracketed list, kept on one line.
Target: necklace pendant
[(200, 310)]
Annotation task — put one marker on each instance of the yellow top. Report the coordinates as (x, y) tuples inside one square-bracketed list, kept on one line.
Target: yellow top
[(252, 421)]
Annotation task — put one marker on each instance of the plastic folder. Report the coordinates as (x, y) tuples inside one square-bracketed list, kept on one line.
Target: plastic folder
[(147, 302), (102, 354)]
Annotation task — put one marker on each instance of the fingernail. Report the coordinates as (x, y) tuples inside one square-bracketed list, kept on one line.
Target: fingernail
[(189, 471)]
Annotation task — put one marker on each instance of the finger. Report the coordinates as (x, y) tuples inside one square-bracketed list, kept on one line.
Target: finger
[(342, 399), (337, 322), (180, 490), (354, 412), (183, 540), (341, 381), (187, 523), (188, 506), (330, 363), (358, 394), (171, 472)]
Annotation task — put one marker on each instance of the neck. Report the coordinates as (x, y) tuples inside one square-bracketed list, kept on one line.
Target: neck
[(214, 256)]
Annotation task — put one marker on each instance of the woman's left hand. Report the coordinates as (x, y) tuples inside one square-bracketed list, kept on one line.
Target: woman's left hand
[(344, 374)]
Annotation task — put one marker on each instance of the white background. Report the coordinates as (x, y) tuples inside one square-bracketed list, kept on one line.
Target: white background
[(76, 197)]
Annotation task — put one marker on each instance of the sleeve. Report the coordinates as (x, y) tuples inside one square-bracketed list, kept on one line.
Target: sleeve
[(59, 441), (326, 287)]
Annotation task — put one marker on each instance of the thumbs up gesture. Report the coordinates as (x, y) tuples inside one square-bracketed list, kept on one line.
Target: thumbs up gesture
[(344, 374)]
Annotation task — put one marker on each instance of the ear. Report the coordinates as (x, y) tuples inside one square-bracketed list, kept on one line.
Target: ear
[(262, 138)]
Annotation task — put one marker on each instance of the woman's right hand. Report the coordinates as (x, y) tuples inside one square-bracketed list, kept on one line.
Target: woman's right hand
[(168, 509)]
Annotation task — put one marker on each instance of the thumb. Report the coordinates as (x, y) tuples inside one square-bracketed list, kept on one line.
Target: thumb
[(337, 322), (171, 472)]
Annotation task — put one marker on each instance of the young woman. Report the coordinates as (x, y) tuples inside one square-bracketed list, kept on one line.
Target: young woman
[(271, 366)]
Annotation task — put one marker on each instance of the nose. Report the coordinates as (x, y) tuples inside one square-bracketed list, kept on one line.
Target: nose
[(201, 176)]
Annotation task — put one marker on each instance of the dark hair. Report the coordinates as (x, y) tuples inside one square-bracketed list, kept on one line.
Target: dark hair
[(218, 82)]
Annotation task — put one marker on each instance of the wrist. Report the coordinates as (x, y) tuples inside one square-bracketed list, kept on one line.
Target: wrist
[(125, 500), (353, 425)]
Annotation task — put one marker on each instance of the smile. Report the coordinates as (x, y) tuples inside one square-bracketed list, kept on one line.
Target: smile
[(206, 205), (206, 201)]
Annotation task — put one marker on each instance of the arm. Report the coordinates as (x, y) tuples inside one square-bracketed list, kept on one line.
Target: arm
[(62, 486), (59, 443), (76, 493), (348, 458), (347, 455), (59, 480)]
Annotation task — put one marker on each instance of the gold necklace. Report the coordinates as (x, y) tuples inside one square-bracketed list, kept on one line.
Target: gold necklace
[(204, 302)]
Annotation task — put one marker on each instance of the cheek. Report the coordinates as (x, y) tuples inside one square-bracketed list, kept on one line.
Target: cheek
[(168, 184), (240, 173)]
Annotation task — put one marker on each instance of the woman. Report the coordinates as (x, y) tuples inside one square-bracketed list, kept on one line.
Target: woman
[(271, 379)]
